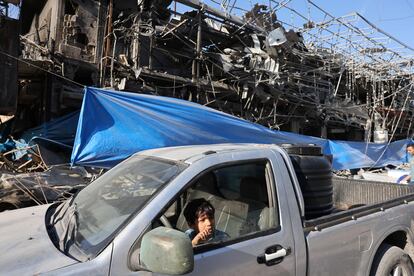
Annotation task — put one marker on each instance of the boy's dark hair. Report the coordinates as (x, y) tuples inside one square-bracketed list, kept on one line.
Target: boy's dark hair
[(196, 208), (410, 144)]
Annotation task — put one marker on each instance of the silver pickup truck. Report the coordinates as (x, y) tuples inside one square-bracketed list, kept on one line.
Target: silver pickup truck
[(283, 214)]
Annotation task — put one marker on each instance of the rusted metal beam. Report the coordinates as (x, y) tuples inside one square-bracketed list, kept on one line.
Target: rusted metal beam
[(197, 59), (227, 17)]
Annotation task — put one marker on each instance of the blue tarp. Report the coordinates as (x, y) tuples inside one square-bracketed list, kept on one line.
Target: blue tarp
[(5, 130), (60, 130), (353, 155), (114, 125), (58, 134), (19, 148)]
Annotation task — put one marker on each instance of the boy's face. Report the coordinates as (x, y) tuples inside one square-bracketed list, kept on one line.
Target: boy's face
[(410, 150), (204, 223)]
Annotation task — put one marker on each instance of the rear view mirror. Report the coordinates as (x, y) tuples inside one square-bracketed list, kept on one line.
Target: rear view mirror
[(167, 251)]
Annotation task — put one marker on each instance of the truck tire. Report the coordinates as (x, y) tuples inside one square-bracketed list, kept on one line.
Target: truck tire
[(392, 260)]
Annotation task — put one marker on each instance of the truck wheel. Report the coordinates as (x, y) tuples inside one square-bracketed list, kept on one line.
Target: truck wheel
[(392, 260)]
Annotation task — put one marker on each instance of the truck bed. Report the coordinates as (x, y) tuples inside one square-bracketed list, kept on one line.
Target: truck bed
[(356, 198)]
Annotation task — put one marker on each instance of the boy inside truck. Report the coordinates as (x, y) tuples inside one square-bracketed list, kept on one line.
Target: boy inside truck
[(199, 215)]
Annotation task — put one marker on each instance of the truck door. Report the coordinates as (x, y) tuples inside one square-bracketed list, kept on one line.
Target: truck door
[(259, 241), (251, 217)]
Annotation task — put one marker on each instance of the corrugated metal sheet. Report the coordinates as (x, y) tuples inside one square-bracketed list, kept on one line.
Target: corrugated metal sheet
[(351, 192)]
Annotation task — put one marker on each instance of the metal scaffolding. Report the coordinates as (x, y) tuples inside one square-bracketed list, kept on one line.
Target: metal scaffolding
[(303, 70)]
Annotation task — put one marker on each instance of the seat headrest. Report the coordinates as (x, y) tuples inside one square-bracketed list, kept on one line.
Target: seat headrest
[(254, 189), (208, 183)]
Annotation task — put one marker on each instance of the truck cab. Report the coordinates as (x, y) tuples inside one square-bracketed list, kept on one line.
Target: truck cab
[(130, 221), (238, 180)]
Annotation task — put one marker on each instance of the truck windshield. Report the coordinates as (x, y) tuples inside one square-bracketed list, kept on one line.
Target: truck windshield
[(105, 205)]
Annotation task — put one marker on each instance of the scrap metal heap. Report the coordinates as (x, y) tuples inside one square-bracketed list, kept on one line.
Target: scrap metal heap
[(350, 83), (27, 189), (314, 74), (342, 75)]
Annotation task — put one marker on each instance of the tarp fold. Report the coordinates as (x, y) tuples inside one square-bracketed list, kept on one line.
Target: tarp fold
[(114, 125)]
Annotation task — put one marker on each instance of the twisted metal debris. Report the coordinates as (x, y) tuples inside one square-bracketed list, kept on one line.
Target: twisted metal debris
[(312, 73), (306, 71)]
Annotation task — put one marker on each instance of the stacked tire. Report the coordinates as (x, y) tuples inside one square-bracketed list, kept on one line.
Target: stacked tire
[(313, 170)]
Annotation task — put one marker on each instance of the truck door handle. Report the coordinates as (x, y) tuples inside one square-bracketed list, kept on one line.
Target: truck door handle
[(273, 255), (278, 254)]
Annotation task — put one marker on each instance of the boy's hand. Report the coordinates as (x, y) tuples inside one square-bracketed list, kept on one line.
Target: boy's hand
[(202, 236)]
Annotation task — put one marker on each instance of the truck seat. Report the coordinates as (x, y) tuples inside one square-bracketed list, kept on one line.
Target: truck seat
[(229, 214), (249, 213), (206, 184), (268, 218), (205, 187), (253, 192)]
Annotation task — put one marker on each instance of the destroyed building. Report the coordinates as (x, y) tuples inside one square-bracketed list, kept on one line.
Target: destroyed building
[(337, 78), (254, 66)]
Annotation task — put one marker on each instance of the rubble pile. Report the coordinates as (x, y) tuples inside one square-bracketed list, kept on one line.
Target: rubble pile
[(54, 184), (309, 79), (26, 178), (18, 157), (35, 168), (331, 78)]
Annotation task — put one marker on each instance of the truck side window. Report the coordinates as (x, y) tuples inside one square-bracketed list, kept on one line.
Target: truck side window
[(240, 195)]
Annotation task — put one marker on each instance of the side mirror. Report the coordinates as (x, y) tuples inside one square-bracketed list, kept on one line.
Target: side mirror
[(167, 251)]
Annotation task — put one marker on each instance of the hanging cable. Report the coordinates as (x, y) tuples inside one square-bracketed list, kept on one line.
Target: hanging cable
[(40, 68)]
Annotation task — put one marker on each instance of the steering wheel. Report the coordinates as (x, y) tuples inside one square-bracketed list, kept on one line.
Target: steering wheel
[(165, 221)]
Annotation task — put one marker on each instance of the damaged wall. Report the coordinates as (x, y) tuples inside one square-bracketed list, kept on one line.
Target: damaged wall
[(82, 30), (68, 27), (251, 66), (64, 37), (9, 44)]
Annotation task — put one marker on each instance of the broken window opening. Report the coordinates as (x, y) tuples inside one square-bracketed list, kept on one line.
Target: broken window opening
[(81, 38), (71, 7), (85, 77)]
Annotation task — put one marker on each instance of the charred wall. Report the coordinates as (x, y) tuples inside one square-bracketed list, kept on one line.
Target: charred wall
[(64, 37), (249, 66), (9, 44), (71, 28)]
